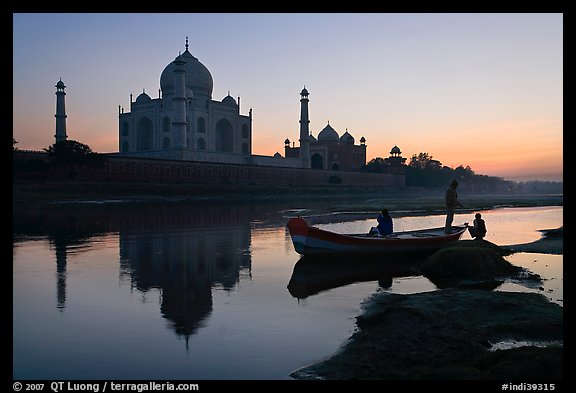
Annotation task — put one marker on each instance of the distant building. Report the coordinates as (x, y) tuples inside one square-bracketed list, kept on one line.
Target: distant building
[(396, 161), (329, 151)]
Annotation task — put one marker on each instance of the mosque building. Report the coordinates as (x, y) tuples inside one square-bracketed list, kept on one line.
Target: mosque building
[(329, 151)]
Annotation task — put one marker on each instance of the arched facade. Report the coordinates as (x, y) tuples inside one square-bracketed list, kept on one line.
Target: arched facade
[(317, 161), (224, 136), (184, 122), (144, 133), (331, 151)]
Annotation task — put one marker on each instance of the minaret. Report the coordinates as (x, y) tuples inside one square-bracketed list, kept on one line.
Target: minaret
[(304, 130), (60, 112), (179, 123)]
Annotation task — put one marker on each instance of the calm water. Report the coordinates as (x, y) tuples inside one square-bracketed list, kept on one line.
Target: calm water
[(199, 291)]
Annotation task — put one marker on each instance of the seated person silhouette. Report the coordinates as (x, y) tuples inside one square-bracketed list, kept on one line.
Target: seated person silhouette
[(478, 229)]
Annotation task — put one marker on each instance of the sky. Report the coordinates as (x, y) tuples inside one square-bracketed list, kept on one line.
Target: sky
[(483, 90)]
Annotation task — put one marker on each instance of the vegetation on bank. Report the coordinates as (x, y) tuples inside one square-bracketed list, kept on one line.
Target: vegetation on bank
[(424, 171)]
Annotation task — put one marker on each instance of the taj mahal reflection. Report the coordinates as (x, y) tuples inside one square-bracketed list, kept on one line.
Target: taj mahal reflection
[(183, 252), (185, 266)]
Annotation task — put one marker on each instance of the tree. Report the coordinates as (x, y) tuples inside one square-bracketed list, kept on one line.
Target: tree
[(14, 142), (70, 153), (424, 161), (377, 164)]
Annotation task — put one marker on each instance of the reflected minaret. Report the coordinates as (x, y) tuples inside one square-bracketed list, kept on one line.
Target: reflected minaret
[(60, 112), (304, 129), (61, 255)]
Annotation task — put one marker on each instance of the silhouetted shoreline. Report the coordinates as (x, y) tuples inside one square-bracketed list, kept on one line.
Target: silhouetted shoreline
[(355, 198)]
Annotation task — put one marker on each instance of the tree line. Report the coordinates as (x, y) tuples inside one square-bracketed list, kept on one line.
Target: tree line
[(424, 171)]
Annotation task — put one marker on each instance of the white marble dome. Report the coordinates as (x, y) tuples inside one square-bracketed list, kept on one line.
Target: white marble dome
[(198, 78)]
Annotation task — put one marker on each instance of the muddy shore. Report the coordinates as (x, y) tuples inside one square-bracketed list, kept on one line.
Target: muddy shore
[(458, 332)]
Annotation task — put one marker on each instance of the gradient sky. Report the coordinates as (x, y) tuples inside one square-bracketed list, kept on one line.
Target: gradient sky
[(481, 90)]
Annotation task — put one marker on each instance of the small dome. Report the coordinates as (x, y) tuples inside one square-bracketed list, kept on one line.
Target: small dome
[(143, 98), (60, 84), (311, 137), (277, 155), (229, 100), (287, 141), (395, 150), (362, 140), (328, 134), (347, 138), (304, 92)]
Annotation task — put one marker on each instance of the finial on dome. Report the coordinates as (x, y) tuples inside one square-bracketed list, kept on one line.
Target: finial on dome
[(186, 42)]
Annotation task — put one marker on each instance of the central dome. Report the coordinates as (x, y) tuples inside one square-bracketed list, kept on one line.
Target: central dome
[(328, 134), (198, 78)]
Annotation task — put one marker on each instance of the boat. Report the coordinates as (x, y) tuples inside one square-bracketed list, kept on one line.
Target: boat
[(310, 240)]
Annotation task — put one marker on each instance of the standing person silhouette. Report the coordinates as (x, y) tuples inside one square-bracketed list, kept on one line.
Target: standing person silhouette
[(451, 199)]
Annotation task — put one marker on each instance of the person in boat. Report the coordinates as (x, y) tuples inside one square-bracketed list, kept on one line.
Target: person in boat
[(385, 224), (478, 230), (452, 202)]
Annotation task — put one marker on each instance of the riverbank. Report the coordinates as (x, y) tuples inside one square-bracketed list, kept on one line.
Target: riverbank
[(456, 333), (350, 199), (552, 242), (516, 337)]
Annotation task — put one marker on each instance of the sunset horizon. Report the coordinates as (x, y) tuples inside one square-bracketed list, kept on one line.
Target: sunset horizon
[(443, 84)]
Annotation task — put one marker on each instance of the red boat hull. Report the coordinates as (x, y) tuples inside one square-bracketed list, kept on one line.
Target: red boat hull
[(309, 240)]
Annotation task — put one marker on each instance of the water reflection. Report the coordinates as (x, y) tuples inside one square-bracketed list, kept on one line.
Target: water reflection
[(61, 261), (183, 251), (313, 275), (185, 266), (63, 245)]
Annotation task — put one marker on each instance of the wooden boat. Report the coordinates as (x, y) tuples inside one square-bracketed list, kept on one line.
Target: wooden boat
[(309, 240)]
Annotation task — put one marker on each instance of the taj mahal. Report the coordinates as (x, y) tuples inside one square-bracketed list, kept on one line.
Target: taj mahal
[(186, 135), (185, 123)]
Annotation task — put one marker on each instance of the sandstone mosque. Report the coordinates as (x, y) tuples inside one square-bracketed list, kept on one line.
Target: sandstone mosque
[(210, 141)]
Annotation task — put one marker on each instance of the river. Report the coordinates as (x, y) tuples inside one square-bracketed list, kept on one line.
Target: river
[(199, 290)]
